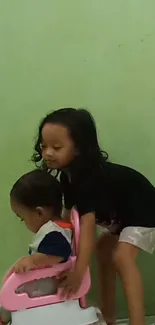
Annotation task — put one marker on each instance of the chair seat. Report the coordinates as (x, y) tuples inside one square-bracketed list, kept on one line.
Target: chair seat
[(64, 313), (22, 301), (50, 309)]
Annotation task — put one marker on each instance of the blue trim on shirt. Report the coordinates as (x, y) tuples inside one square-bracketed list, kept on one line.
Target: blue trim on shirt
[(55, 244)]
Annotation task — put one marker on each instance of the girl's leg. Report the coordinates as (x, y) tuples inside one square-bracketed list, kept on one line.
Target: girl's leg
[(125, 262), (107, 276)]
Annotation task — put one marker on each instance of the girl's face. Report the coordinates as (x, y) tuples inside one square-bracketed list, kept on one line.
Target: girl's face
[(58, 149), (34, 219)]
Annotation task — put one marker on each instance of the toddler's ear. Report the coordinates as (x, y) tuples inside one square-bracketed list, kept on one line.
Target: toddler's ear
[(40, 211)]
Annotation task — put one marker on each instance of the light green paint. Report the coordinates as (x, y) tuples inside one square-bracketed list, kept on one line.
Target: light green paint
[(97, 54)]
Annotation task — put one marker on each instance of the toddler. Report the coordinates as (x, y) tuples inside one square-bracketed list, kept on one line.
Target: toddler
[(36, 199)]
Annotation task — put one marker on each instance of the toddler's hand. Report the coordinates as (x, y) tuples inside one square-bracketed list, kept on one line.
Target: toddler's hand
[(24, 264)]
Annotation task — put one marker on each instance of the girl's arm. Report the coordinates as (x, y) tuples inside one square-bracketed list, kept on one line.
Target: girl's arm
[(86, 242), (70, 281)]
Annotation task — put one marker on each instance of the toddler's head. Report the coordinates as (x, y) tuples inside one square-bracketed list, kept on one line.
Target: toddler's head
[(66, 135), (36, 198)]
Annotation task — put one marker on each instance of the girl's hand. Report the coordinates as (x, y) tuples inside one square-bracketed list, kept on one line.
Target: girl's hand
[(24, 264), (70, 282)]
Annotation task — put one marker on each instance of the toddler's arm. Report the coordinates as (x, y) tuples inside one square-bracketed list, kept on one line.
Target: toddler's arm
[(53, 249), (34, 261)]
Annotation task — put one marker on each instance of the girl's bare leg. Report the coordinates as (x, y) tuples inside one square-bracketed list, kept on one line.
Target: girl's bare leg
[(125, 263), (107, 276)]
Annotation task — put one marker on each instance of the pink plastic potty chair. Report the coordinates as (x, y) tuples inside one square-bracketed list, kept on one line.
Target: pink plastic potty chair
[(48, 310)]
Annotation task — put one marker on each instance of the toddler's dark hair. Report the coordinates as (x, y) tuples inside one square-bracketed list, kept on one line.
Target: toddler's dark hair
[(38, 188), (82, 129)]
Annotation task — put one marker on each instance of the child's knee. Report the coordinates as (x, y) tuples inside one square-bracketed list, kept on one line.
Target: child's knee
[(119, 259), (124, 255)]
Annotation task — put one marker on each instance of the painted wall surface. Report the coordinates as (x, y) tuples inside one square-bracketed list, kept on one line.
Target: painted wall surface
[(97, 54)]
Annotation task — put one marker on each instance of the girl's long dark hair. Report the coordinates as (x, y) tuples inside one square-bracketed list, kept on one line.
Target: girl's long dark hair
[(82, 129)]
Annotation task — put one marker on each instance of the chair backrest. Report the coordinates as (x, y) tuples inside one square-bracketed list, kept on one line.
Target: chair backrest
[(76, 227), (13, 301)]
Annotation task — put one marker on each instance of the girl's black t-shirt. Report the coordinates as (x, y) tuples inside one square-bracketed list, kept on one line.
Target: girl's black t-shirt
[(121, 194)]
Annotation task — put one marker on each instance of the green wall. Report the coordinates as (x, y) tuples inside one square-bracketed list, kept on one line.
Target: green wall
[(97, 54)]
